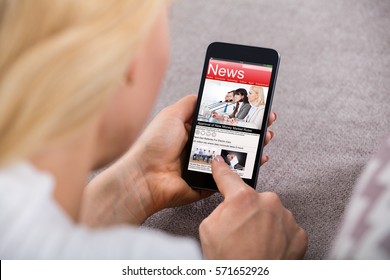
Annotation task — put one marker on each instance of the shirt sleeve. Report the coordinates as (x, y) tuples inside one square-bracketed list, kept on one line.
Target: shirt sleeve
[(126, 242), (34, 226)]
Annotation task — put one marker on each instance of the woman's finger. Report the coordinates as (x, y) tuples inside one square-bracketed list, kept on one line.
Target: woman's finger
[(264, 159), (272, 118), (269, 136)]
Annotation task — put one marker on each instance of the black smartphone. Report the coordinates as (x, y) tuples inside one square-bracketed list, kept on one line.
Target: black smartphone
[(231, 115)]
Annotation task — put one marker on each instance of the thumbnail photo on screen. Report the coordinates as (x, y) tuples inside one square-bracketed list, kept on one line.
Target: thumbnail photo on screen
[(236, 160)]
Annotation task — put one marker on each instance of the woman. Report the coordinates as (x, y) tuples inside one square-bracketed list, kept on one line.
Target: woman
[(254, 118), (241, 109), (66, 108), (242, 104)]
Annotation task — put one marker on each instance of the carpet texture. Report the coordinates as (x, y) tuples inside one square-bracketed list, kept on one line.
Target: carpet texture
[(332, 98)]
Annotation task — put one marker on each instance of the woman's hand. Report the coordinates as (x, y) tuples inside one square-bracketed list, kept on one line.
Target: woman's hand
[(159, 153), (232, 121), (148, 177), (247, 224)]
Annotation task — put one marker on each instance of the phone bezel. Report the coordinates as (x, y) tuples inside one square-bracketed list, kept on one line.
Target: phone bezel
[(238, 53)]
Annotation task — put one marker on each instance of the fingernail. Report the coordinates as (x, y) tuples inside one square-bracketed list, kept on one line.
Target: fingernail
[(218, 158), (272, 134), (276, 116)]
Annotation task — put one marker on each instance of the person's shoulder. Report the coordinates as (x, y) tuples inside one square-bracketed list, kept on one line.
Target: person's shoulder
[(366, 212), (23, 180), (29, 210), (246, 105), (26, 196)]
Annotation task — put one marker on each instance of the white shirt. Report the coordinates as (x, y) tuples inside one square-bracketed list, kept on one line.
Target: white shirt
[(33, 226), (251, 112), (240, 106)]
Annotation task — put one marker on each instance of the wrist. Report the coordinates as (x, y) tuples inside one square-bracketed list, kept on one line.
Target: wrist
[(118, 195), (134, 187)]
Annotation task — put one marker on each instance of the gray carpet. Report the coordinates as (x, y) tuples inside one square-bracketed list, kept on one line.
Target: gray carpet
[(332, 98)]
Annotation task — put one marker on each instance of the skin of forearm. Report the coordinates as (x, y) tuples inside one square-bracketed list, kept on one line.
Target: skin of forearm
[(118, 195)]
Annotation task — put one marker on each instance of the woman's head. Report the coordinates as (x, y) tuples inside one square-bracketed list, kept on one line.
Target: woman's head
[(81, 62), (241, 95), (256, 96)]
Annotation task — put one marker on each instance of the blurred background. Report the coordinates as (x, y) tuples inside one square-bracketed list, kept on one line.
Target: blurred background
[(332, 99)]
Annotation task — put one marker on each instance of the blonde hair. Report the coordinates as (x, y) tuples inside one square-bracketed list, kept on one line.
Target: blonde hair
[(60, 61), (260, 93)]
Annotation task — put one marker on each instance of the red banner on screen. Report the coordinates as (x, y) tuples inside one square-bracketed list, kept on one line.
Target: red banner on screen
[(239, 73)]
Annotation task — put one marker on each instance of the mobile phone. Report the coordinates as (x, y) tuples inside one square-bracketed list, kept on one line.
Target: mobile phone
[(231, 114)]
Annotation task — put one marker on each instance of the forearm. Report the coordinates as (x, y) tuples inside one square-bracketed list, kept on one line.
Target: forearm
[(119, 195)]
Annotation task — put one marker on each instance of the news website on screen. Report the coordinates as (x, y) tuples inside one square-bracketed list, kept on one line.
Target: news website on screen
[(230, 116)]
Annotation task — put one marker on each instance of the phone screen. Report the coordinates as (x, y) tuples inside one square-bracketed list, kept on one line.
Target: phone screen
[(230, 116)]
